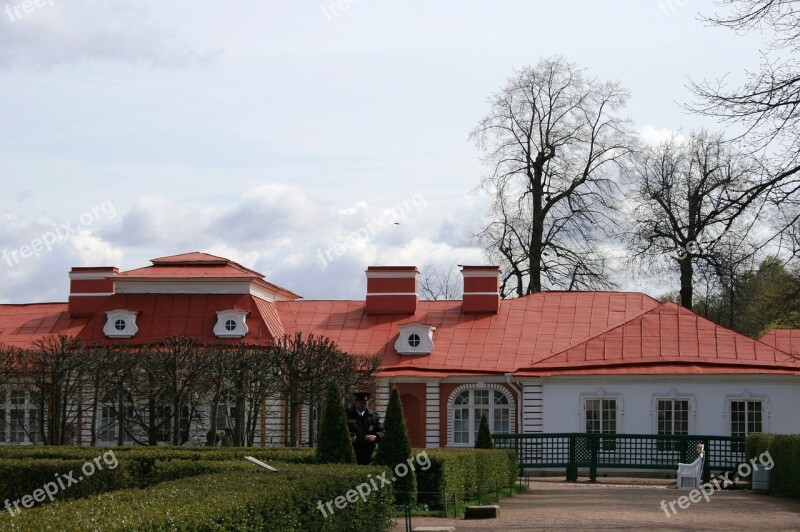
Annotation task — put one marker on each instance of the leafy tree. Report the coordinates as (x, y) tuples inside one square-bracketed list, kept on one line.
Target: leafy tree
[(484, 438), (334, 445), (396, 449), (551, 138)]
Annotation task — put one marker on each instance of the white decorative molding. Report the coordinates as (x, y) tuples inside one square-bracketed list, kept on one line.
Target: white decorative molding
[(479, 386), (599, 393), (415, 339), (432, 414), (673, 395), (121, 323), (231, 324)]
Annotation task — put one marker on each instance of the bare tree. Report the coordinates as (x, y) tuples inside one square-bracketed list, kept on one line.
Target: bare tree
[(437, 283), (551, 138), (687, 199), (57, 366), (302, 367), (767, 105)]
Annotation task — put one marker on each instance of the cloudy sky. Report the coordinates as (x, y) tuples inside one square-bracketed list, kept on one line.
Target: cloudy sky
[(304, 139)]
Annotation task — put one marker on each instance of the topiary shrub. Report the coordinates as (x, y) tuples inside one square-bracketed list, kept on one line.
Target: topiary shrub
[(395, 451), (334, 445)]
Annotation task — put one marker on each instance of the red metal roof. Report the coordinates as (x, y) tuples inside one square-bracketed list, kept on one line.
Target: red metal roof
[(193, 315), (549, 333), (199, 266), (21, 325), (787, 340)]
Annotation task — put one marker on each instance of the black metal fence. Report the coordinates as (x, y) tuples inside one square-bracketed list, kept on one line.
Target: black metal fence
[(629, 451)]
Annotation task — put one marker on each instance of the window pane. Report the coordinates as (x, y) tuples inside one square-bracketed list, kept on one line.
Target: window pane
[(500, 398), (502, 420), (461, 425), (481, 397), (463, 398), (737, 418)]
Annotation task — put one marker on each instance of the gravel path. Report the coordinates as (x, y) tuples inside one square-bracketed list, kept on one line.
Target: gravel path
[(629, 504)]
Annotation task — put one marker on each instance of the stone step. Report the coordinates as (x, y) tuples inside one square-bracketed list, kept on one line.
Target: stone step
[(482, 512)]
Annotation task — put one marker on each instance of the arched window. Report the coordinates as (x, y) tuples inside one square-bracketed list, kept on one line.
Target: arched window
[(468, 407)]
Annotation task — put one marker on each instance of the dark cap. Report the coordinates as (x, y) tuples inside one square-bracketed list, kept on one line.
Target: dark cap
[(361, 396)]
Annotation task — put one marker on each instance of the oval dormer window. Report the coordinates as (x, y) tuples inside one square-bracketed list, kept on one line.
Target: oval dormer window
[(121, 323), (415, 339), (231, 324)]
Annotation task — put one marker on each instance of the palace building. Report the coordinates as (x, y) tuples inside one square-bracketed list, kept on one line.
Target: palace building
[(619, 362)]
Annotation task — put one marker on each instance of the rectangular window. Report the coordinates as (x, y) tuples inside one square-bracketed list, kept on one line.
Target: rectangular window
[(601, 418), (16, 417), (673, 419), (461, 425), (746, 419), (502, 421), (108, 425)]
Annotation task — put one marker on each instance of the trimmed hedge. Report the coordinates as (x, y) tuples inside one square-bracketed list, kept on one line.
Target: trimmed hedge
[(297, 455), (784, 450), (19, 478), (464, 472), (238, 500)]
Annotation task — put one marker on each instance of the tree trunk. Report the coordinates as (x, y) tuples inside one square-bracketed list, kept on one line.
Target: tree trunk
[(686, 282)]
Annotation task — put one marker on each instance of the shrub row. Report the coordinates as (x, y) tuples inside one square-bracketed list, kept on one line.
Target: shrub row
[(236, 500), (784, 449), (464, 472), (73, 479), (298, 455)]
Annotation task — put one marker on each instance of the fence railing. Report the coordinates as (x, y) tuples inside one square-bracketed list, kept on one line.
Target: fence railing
[(612, 451)]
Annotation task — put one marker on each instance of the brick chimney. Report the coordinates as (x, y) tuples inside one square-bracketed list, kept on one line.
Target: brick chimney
[(481, 288), (392, 289), (89, 287)]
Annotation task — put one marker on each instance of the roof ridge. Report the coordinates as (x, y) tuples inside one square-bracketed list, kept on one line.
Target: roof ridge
[(600, 333)]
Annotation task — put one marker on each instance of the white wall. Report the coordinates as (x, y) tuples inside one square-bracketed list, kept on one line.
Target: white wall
[(709, 396)]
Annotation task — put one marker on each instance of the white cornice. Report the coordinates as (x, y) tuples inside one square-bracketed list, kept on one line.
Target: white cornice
[(85, 276), (391, 275)]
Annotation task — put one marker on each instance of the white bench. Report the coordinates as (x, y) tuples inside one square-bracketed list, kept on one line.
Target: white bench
[(690, 476)]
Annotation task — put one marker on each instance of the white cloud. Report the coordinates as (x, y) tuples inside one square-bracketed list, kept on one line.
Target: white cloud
[(58, 32), (653, 136)]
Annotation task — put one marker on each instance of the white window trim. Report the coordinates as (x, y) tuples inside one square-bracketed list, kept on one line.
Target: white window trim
[(512, 409), (238, 316), (673, 395), (29, 404), (600, 393), (747, 396), (129, 316)]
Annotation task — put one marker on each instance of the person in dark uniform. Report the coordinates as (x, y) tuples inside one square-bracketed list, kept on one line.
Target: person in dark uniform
[(365, 427)]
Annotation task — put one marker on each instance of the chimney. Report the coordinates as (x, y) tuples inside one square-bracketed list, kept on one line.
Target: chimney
[(89, 287), (392, 289), (481, 288)]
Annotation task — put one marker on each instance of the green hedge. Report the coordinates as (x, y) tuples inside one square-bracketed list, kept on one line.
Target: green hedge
[(236, 500), (784, 450), (464, 472), (19, 478), (298, 455)]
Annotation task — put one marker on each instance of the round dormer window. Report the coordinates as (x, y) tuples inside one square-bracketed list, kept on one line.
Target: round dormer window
[(120, 325), (414, 340), (230, 325)]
